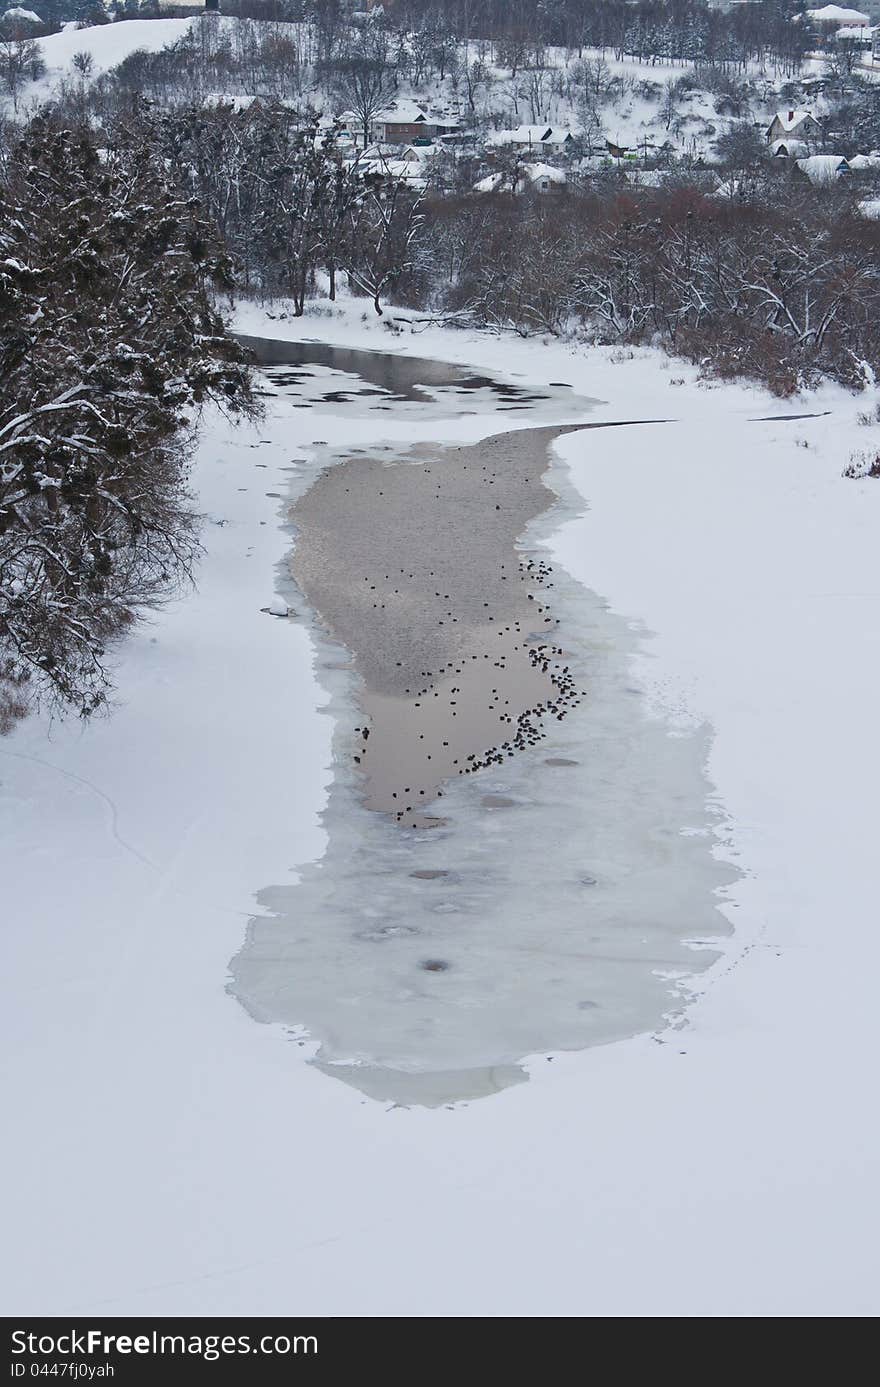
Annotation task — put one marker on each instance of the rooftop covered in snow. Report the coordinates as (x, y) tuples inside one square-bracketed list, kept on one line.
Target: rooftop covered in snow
[(823, 169), (540, 178), (791, 119), (837, 14)]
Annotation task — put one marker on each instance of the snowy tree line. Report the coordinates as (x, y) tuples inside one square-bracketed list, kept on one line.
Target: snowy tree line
[(441, 35), (289, 203), (469, 47), (780, 284), (766, 276), (109, 344)]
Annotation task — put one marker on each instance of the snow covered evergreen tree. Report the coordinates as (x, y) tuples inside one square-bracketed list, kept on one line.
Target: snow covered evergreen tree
[(109, 342)]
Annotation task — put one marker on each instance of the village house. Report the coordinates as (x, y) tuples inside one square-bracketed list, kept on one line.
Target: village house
[(18, 23), (858, 36), (525, 138), (822, 170), (835, 15), (542, 179), (794, 125), (865, 163), (385, 171), (405, 121)]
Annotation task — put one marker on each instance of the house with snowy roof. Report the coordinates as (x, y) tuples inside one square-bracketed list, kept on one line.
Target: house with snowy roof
[(822, 170), (404, 121), (409, 154), (866, 163), (19, 23), (531, 137), (382, 164), (860, 35), (837, 15), (794, 125), (542, 179), (789, 149)]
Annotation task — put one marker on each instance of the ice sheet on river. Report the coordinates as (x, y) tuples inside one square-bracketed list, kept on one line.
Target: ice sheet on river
[(567, 893)]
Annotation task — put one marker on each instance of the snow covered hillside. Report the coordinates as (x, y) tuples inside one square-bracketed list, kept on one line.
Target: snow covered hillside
[(106, 44), (638, 105)]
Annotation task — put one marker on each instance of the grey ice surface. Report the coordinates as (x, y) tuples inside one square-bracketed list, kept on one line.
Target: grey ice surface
[(411, 564), (556, 908)]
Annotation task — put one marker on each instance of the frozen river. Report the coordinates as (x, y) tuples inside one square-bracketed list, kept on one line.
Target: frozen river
[(169, 1156), (519, 858)]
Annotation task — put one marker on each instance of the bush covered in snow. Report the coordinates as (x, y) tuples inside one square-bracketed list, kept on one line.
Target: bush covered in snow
[(780, 288), (863, 465), (108, 344)]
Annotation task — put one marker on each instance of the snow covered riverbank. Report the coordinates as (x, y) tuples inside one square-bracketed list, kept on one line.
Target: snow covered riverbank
[(172, 1157)]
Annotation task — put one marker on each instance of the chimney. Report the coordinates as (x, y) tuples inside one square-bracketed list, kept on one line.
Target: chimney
[(790, 117)]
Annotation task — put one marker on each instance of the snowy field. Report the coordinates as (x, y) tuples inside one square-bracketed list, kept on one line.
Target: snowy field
[(172, 1156), (107, 44)]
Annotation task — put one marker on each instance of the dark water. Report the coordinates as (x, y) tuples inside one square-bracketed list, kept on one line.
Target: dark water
[(386, 378)]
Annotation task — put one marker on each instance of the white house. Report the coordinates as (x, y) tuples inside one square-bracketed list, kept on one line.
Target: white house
[(523, 137), (559, 137), (541, 138), (793, 125)]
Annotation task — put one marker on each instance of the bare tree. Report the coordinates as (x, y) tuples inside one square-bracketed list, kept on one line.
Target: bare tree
[(740, 148), (83, 64), (385, 225), (366, 81), (20, 62)]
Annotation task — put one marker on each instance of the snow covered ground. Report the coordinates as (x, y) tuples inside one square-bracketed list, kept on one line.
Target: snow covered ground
[(107, 44), (169, 1155)]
